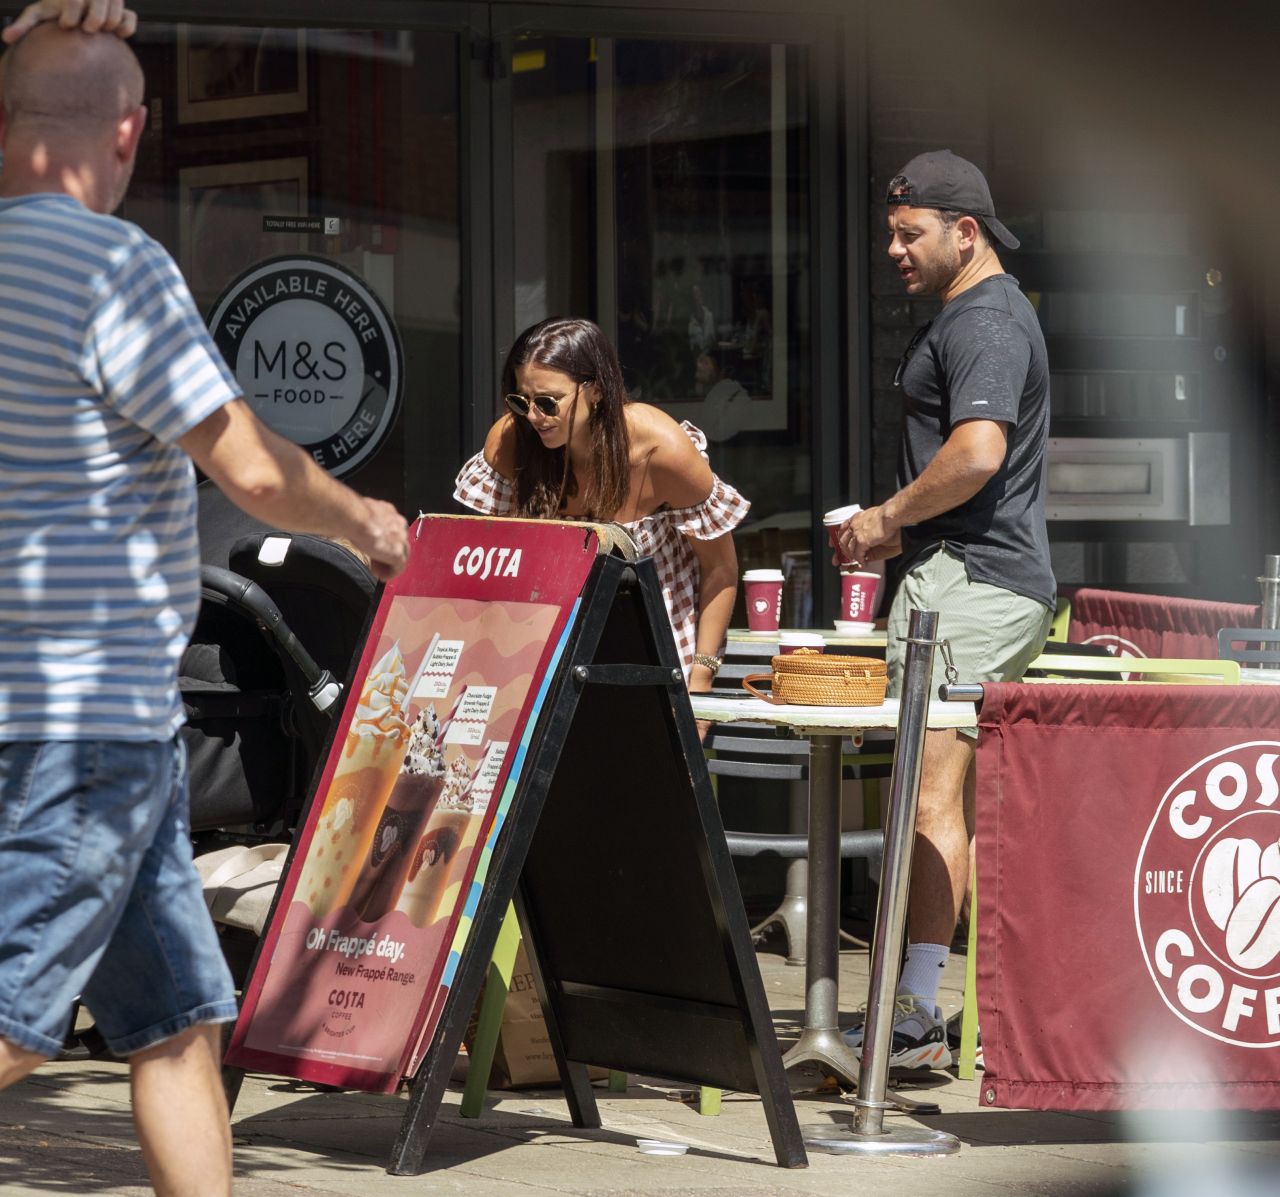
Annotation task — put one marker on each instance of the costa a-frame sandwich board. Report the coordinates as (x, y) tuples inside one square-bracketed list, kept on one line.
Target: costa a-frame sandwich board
[(564, 772)]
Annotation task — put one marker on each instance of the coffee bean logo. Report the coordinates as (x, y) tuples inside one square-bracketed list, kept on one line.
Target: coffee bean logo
[(1207, 895)]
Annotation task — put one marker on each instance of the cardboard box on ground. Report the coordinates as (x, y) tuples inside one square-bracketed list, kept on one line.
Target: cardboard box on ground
[(523, 1058)]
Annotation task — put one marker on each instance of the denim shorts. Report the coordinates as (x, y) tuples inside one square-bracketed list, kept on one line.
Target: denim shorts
[(100, 898), (994, 633)]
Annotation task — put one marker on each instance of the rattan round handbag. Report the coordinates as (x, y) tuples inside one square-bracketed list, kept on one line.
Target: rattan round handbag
[(808, 678)]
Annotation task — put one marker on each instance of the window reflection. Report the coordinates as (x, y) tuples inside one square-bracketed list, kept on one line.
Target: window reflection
[(339, 144), (662, 189)]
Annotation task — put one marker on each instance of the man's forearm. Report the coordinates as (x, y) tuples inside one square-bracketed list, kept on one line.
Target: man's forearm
[(952, 478), (963, 465), (278, 483), (270, 478)]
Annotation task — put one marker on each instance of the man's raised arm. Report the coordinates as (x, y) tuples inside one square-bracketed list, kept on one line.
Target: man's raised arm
[(278, 483)]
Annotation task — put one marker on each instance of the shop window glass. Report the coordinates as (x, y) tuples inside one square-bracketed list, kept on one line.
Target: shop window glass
[(661, 188), (337, 145)]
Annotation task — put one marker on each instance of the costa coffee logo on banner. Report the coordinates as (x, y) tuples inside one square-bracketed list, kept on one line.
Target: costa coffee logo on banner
[(316, 354), (1207, 896), (1117, 646), (480, 562)]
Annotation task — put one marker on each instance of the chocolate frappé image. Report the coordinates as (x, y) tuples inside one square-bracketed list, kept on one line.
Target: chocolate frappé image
[(366, 772), (430, 868), (413, 799)]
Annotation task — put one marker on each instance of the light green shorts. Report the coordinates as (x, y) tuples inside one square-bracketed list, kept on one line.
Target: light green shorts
[(994, 633)]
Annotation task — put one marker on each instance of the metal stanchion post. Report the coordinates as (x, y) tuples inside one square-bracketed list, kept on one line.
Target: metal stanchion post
[(1270, 583), (869, 1134)]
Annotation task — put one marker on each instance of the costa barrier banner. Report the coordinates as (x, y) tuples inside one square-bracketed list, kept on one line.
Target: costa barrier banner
[(356, 952), (1154, 625), (1128, 857)]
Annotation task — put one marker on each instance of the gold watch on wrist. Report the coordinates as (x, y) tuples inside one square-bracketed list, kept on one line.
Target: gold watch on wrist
[(712, 663)]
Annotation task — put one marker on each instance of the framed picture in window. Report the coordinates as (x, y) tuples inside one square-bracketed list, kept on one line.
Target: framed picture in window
[(221, 209), (227, 72)]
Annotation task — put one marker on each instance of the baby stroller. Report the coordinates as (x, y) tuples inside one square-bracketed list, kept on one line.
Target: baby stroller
[(277, 634), (281, 624)]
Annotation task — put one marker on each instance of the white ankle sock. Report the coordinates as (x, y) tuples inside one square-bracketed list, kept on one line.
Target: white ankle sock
[(922, 970)]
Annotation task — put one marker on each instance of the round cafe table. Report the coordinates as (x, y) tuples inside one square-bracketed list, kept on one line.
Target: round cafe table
[(744, 647), (825, 728), (743, 641)]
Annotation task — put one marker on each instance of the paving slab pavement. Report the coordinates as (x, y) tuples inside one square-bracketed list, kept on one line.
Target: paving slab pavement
[(67, 1130)]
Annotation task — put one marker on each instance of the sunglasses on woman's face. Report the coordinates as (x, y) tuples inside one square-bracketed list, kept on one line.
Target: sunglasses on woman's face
[(548, 405)]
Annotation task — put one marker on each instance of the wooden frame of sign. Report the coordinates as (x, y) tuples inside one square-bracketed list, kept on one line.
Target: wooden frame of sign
[(616, 857)]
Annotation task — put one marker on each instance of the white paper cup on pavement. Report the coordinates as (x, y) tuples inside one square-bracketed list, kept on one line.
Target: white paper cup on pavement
[(661, 1147), (764, 598)]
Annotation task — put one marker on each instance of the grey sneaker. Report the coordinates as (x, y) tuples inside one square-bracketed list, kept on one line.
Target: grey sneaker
[(919, 1035)]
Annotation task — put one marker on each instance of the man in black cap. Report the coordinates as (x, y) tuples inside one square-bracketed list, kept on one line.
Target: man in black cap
[(969, 521)]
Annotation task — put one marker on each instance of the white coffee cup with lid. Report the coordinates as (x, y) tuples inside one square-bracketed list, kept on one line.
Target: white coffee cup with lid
[(789, 642)]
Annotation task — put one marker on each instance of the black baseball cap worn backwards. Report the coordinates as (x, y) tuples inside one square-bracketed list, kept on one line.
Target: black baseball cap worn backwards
[(941, 179)]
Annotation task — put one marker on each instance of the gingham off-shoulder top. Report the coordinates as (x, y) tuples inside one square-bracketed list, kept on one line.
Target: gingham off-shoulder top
[(663, 535)]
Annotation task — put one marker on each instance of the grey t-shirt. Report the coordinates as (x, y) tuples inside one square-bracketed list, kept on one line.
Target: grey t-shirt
[(983, 357)]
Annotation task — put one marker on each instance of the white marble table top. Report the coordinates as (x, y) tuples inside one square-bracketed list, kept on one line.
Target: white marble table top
[(744, 638), (811, 720)]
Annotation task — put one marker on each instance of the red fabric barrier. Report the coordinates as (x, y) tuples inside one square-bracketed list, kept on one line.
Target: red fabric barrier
[(1154, 625), (1128, 859)]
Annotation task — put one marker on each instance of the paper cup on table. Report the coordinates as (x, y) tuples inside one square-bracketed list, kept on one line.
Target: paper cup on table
[(859, 589), (764, 599), (832, 521), (789, 642)]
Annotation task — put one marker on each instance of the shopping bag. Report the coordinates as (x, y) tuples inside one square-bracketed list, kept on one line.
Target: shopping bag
[(240, 883), (523, 1058)]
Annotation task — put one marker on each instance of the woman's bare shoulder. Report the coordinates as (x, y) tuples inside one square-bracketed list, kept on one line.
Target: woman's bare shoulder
[(680, 474), (500, 446), (654, 432)]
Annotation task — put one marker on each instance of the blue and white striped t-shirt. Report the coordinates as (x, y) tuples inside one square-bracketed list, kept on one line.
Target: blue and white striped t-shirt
[(104, 364)]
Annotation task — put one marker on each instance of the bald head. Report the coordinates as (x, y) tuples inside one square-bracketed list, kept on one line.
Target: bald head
[(77, 82)]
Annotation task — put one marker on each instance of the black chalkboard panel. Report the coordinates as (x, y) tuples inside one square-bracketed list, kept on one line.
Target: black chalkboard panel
[(616, 857)]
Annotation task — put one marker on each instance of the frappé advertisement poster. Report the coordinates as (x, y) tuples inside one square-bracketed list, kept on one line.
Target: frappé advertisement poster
[(428, 750)]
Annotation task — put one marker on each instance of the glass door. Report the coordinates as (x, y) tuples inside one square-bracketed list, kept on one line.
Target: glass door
[(661, 183)]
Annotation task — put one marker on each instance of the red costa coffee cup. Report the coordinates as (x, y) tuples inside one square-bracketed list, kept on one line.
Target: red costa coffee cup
[(859, 590), (832, 521), (764, 599)]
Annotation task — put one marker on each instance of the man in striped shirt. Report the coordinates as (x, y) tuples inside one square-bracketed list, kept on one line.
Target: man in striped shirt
[(109, 388)]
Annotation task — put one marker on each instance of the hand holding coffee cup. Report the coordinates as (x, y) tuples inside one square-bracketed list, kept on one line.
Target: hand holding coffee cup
[(833, 521)]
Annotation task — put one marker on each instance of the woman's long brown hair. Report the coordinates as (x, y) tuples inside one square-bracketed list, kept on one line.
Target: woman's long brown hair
[(544, 477)]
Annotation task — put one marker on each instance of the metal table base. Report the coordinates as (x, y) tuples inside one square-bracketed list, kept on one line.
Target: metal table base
[(820, 1040)]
